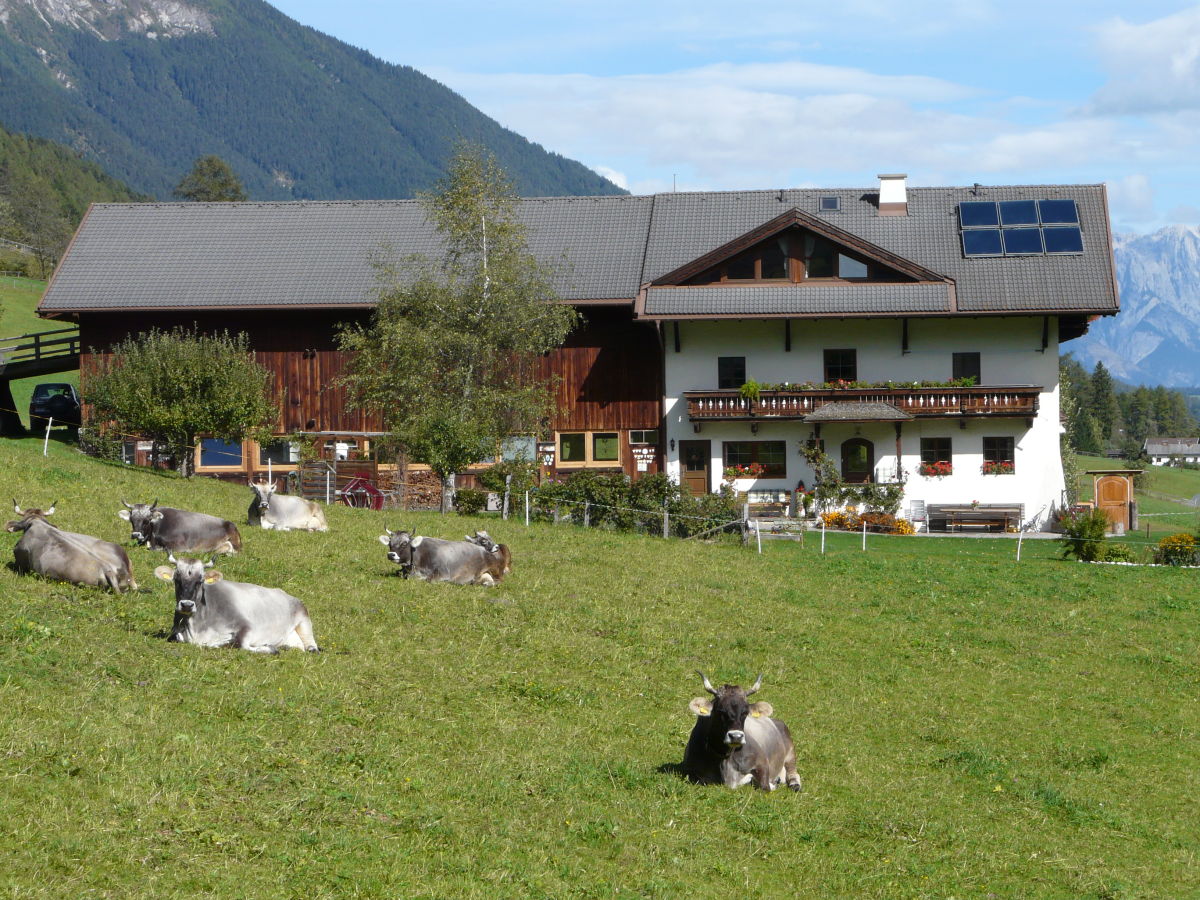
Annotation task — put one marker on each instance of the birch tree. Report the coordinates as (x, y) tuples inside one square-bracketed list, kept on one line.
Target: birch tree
[(449, 358)]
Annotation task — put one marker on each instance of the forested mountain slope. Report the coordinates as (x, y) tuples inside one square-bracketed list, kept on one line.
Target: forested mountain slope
[(145, 86)]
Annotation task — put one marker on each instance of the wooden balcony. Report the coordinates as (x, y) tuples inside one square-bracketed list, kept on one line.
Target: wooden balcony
[(989, 401)]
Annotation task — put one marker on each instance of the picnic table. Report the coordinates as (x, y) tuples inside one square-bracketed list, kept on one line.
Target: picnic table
[(983, 515)]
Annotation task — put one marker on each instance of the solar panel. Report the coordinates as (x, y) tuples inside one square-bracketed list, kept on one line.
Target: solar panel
[(1021, 241), (1067, 239), (977, 214), (1058, 212), (982, 242), (1018, 212)]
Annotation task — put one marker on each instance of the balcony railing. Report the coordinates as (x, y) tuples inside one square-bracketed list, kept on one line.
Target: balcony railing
[(984, 400)]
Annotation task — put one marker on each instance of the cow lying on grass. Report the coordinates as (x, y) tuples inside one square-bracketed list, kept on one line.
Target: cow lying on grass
[(284, 512), (212, 612), (735, 742), (165, 528), (65, 556), (433, 559), (501, 559)]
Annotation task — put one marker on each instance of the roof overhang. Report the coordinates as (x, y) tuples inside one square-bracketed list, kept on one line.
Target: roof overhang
[(857, 411)]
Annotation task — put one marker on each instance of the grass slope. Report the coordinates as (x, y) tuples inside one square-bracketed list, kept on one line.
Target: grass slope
[(1159, 494), (18, 315), (966, 725)]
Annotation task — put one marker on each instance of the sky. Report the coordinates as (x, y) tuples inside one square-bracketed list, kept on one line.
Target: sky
[(702, 95)]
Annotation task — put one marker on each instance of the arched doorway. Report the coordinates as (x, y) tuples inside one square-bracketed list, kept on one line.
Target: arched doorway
[(858, 461)]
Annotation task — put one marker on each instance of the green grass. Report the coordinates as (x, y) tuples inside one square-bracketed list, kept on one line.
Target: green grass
[(18, 315), (966, 726), (1160, 511)]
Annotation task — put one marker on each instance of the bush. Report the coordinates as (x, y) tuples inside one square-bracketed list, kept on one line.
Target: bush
[(1177, 550), (469, 501), (524, 474), (846, 519), (1085, 532), (1114, 552)]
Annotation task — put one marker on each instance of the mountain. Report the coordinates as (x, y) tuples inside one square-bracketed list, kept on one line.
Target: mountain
[(1155, 339), (144, 87)]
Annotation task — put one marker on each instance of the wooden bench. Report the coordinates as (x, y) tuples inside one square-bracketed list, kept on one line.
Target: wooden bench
[(987, 516)]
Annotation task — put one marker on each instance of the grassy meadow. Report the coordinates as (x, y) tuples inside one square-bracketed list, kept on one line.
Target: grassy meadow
[(966, 725)]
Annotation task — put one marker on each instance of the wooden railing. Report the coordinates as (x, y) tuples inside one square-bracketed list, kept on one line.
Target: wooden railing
[(39, 346), (999, 400)]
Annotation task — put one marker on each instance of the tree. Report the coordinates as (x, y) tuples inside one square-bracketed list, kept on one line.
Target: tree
[(450, 357), (1104, 402), (210, 181), (172, 386)]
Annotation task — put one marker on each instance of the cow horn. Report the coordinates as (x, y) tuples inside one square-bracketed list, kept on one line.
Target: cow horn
[(127, 505), (707, 684), (209, 564), (757, 685), (388, 530), (171, 558), (16, 506), (154, 504)]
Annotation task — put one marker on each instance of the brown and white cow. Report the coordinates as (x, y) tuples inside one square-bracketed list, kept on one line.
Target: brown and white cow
[(736, 742), (500, 561)]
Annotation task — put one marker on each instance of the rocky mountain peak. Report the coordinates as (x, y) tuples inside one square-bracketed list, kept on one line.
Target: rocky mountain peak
[(112, 19)]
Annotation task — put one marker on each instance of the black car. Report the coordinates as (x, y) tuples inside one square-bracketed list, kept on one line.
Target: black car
[(60, 401)]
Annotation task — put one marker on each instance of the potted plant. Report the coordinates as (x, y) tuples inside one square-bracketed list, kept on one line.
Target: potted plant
[(939, 469), (998, 467)]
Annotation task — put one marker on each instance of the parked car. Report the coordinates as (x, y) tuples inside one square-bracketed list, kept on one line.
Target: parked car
[(60, 401)]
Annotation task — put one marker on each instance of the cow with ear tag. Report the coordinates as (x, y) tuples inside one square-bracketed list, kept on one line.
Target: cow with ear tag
[(736, 742), (212, 612), (283, 512), (433, 559)]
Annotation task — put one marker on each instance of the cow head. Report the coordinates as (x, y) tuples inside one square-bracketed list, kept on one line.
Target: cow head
[(28, 517), (727, 711), (263, 492), (400, 546), (484, 540), (141, 518), (190, 576)]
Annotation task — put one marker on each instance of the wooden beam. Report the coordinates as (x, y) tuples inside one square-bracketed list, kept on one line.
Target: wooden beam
[(904, 337), (1045, 333), (675, 326), (787, 335)]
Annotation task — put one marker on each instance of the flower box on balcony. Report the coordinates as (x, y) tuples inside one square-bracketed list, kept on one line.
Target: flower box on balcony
[(1000, 467), (939, 469)]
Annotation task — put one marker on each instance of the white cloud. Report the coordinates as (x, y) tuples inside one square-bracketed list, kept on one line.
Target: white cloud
[(617, 178), (1154, 67), (1131, 198)]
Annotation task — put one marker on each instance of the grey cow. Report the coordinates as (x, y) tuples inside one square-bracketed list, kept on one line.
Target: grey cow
[(735, 742), (433, 559), (212, 612), (166, 528), (66, 556), (284, 512)]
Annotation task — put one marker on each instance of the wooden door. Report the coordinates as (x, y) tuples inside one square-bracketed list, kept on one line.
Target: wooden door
[(695, 462), (858, 461), (1112, 496)]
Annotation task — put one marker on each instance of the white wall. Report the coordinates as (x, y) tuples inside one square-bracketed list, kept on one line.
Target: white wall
[(1010, 354)]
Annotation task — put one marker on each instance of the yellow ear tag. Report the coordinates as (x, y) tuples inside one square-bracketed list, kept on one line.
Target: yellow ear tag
[(756, 715)]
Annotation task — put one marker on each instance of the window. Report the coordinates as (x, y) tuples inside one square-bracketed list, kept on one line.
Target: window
[(841, 365), (341, 449), (215, 452), (585, 448), (278, 453), (796, 255), (646, 436), (519, 447), (935, 449), (966, 365), (998, 456), (606, 447), (771, 455), (831, 204), (731, 371)]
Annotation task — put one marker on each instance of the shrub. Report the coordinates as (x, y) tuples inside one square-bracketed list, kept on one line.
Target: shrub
[(524, 474), (1176, 550), (846, 519), (1113, 552), (1085, 532), (903, 526), (469, 501)]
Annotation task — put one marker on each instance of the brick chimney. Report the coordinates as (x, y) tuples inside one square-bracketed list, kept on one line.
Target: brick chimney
[(893, 196)]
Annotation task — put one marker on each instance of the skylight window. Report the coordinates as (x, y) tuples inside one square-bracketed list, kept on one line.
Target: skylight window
[(1019, 227), (831, 204)]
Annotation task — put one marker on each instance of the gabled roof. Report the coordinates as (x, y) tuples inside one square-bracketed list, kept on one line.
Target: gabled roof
[(1172, 446), (603, 250)]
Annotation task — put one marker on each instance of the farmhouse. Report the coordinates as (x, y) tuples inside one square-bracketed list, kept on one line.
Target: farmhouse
[(912, 332), (1166, 451)]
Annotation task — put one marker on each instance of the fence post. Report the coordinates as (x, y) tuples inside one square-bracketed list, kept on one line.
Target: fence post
[(822, 537), (555, 513), (1020, 537), (666, 520), (864, 535), (507, 492), (527, 509), (46, 442), (758, 534), (327, 486), (587, 513)]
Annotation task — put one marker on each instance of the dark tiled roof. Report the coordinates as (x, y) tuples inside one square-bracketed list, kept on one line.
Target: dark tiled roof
[(189, 255), (798, 300), (1172, 446), (857, 411)]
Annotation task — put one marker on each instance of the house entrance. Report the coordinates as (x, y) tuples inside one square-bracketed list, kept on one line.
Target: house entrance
[(695, 459), (858, 461)]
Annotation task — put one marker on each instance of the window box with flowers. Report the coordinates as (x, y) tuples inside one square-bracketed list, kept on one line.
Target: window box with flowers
[(998, 467), (938, 469), (747, 470)]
